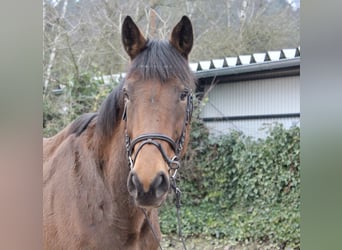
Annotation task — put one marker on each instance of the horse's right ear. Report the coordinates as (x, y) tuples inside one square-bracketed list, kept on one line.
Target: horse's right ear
[(132, 39)]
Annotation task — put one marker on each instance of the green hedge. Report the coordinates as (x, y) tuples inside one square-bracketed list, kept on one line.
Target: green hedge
[(240, 188)]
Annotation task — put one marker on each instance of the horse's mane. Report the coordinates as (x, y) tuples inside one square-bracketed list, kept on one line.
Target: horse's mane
[(107, 117), (81, 123), (110, 112), (159, 60)]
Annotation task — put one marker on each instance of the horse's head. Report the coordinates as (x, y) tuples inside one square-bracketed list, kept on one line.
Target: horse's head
[(158, 105)]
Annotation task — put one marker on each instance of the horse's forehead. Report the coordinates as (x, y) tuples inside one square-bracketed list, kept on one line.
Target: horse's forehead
[(154, 86)]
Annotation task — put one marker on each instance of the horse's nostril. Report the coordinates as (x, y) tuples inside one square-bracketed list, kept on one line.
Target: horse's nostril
[(160, 184), (133, 184), (159, 180)]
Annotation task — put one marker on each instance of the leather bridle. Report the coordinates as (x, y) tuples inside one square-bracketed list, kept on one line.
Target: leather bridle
[(173, 162), (154, 138)]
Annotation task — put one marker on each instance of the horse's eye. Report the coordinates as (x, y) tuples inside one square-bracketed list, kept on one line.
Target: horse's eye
[(184, 95)]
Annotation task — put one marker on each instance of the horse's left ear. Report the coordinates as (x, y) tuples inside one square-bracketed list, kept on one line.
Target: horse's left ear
[(182, 36)]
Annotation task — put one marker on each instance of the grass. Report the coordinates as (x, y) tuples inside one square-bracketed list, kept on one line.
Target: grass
[(210, 243)]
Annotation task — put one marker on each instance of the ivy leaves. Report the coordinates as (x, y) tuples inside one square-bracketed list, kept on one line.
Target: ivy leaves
[(240, 188)]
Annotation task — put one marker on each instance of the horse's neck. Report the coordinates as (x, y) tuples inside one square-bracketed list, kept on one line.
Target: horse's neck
[(114, 156)]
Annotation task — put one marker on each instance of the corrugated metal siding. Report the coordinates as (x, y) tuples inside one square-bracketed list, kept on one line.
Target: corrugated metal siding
[(255, 97), (259, 97)]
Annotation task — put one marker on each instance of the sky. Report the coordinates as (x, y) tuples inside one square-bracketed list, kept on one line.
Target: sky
[(294, 3)]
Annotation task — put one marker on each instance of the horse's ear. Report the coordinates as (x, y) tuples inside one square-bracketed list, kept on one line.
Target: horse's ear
[(182, 36), (132, 39)]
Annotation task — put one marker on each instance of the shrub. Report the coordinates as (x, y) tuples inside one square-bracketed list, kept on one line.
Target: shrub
[(240, 188), (82, 94)]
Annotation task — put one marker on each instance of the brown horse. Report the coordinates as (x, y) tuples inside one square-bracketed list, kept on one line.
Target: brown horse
[(105, 169)]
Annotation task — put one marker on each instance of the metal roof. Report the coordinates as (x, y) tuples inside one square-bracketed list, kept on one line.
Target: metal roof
[(247, 63), (285, 59), (272, 55)]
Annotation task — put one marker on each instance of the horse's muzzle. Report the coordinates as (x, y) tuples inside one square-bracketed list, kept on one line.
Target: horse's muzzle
[(154, 195)]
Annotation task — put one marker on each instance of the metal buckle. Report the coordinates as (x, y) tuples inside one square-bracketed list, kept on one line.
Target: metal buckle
[(130, 163)]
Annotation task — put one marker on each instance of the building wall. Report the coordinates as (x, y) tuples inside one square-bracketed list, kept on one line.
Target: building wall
[(255, 128), (276, 96)]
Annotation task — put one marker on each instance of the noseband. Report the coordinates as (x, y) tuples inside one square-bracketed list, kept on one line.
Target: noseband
[(153, 138), (173, 162)]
